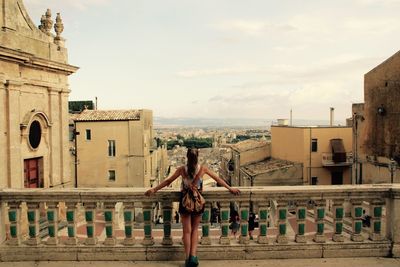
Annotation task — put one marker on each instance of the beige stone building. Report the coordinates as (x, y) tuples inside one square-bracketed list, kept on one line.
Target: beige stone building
[(117, 149), (325, 152), (376, 125), (34, 93)]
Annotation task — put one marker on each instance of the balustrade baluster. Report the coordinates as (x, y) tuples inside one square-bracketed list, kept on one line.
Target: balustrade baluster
[(263, 209), (244, 222), (109, 216), (205, 225), (147, 224), (338, 212), (14, 217), (319, 215), (282, 222), (33, 219), (224, 239), (129, 223), (167, 217), (90, 217), (376, 219), (356, 213), (52, 219), (71, 223), (301, 216)]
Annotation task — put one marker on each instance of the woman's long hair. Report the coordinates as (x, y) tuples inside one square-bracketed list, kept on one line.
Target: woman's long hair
[(192, 160)]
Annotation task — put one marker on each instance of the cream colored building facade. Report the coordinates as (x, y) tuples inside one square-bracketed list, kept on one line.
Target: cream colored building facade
[(116, 149), (34, 93), (325, 152)]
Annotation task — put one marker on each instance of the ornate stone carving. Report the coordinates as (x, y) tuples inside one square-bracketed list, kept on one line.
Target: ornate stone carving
[(46, 23), (58, 27)]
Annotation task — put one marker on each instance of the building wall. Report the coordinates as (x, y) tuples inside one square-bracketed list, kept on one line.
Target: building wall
[(284, 176)]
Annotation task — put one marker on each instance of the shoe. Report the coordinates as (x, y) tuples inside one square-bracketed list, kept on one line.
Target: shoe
[(192, 261)]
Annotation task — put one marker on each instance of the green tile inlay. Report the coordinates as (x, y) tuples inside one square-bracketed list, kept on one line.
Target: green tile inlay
[(244, 228), (301, 229), (109, 231), (282, 229), (128, 231), (128, 216), (167, 215), (263, 230), (31, 215), (32, 231), (282, 214), (167, 229), (12, 215), (147, 230), (51, 231), (225, 215), (339, 213), (147, 215), (244, 214), (70, 215), (378, 212), (206, 230), (108, 216), (71, 231), (89, 216), (224, 230), (358, 212), (90, 230), (206, 216), (321, 213), (50, 215), (320, 228), (263, 214), (339, 228), (13, 231), (377, 227), (301, 214), (357, 227)]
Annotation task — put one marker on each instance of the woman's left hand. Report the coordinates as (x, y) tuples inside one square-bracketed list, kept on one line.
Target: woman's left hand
[(234, 191)]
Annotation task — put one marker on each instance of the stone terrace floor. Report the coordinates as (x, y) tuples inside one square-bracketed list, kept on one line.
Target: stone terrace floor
[(332, 262)]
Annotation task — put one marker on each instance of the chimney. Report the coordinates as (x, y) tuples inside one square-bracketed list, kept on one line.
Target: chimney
[(331, 117), (291, 118), (95, 108)]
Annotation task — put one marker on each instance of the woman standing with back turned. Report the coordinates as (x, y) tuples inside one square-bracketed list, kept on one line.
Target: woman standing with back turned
[(191, 220)]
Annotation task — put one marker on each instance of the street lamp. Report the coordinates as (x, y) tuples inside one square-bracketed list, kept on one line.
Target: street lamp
[(392, 168)]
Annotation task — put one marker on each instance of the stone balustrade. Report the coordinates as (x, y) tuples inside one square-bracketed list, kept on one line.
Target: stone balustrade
[(309, 221)]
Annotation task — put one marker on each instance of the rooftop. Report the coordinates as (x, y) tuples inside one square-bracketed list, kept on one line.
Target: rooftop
[(267, 165), (107, 115), (249, 145)]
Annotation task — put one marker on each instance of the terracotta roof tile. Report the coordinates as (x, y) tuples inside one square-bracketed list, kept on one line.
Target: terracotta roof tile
[(107, 115)]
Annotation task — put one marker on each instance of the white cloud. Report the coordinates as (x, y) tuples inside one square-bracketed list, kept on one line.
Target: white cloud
[(253, 27)]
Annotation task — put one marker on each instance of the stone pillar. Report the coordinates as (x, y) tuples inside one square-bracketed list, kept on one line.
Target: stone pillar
[(147, 224), (282, 222), (71, 223), (14, 217), (129, 223), (52, 219), (109, 216), (319, 215), (90, 217), (224, 239), (301, 216), (33, 219), (167, 216), (356, 214), (263, 222), (244, 223), (205, 225), (376, 207), (393, 220), (338, 211)]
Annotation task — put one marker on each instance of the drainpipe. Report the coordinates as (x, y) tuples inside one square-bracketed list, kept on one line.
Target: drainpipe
[(76, 155)]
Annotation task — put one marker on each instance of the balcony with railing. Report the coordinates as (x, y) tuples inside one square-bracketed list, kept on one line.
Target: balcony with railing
[(293, 222), (335, 160)]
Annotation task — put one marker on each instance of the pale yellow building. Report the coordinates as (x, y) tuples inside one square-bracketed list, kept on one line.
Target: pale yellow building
[(116, 149), (34, 70), (325, 152)]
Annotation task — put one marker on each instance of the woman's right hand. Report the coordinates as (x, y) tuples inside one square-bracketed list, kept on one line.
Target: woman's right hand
[(150, 192)]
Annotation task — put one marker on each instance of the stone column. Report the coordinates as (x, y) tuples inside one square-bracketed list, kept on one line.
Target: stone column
[(205, 225), (393, 220), (90, 217), (282, 222), (33, 219), (356, 214), (319, 215), (147, 224), (224, 239), (263, 222), (338, 211), (52, 219), (109, 216), (129, 223), (376, 207), (167, 216), (301, 212), (244, 223), (14, 217), (71, 223)]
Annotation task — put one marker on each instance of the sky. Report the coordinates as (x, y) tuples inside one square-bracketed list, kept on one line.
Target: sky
[(225, 58)]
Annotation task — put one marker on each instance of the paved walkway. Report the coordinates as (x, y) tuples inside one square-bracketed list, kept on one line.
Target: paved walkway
[(334, 262)]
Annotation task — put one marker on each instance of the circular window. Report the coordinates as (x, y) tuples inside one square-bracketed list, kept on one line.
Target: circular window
[(35, 134)]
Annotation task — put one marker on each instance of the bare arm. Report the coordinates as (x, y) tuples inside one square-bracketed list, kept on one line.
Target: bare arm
[(164, 183), (221, 181)]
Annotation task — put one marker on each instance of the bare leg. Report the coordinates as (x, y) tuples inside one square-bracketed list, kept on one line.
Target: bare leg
[(187, 229), (194, 234)]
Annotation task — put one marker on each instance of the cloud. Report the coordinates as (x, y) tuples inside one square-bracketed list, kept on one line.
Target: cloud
[(253, 27)]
